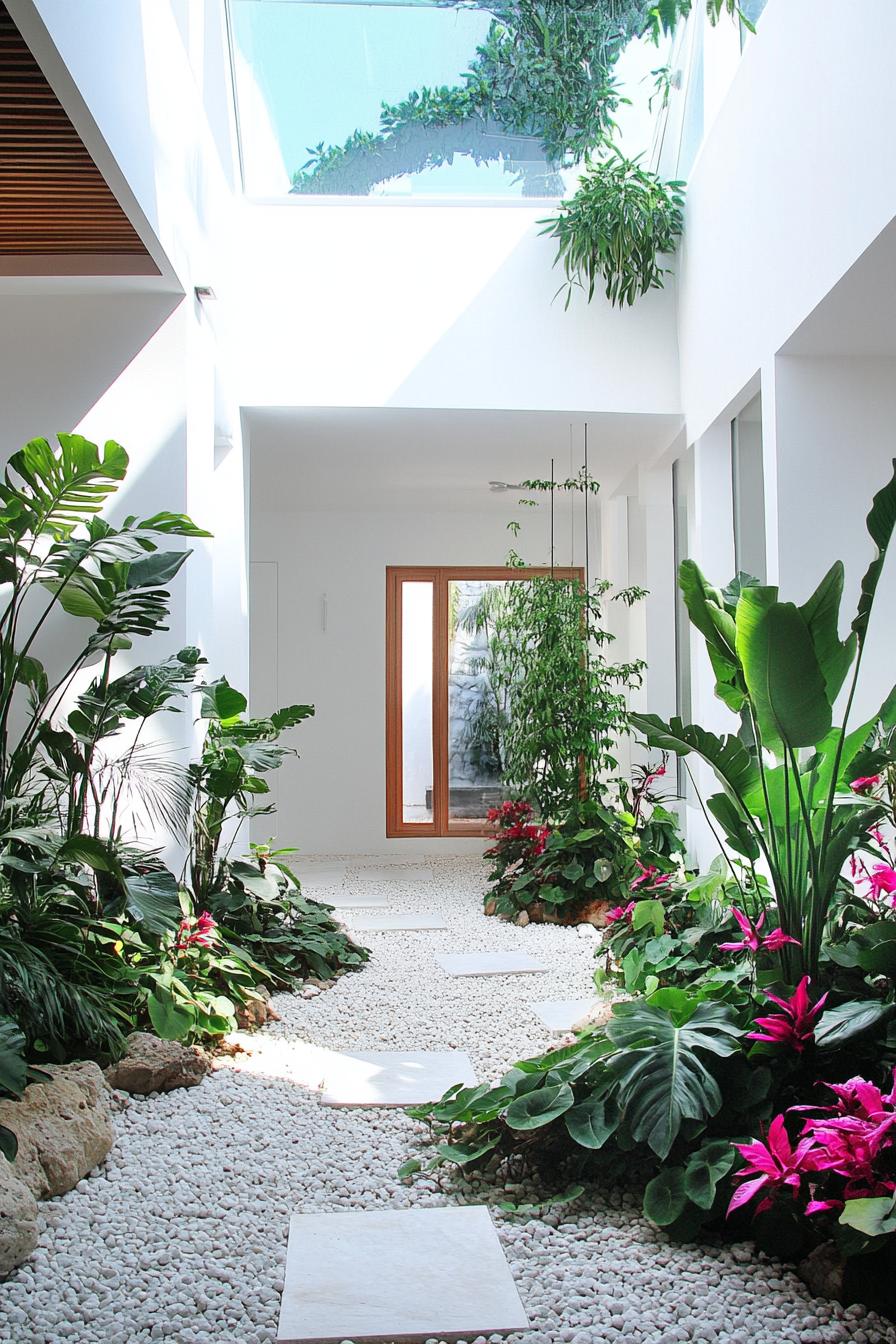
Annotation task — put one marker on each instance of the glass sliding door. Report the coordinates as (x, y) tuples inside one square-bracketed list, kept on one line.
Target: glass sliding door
[(416, 701), (445, 698), (475, 703)]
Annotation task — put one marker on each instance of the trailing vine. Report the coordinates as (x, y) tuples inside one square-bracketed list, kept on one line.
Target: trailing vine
[(540, 83)]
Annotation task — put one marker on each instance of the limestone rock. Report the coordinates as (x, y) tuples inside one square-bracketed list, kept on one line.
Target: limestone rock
[(823, 1271), (152, 1065), (18, 1219), (255, 1012), (490, 906), (597, 1016), (63, 1126), (522, 919)]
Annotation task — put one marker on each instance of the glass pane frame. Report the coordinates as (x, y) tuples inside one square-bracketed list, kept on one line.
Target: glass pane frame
[(441, 578)]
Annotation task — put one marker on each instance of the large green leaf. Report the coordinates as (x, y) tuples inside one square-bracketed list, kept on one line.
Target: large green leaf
[(665, 1197), (729, 758), (593, 1121), (171, 1020), (782, 672), (739, 833), (663, 1078), (707, 611), (62, 488), (850, 1019), (540, 1107), (155, 570), (880, 523), (13, 1069), (822, 614), (221, 701), (152, 899)]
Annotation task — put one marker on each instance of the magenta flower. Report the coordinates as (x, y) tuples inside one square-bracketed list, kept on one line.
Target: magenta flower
[(620, 912), (752, 940), (201, 932), (795, 1026), (650, 877), (865, 783), (881, 881), (771, 1166)]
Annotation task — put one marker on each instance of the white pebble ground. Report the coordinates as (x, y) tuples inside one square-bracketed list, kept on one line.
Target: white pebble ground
[(181, 1236)]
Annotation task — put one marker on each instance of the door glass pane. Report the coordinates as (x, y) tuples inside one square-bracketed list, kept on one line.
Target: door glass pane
[(416, 700), (474, 706)]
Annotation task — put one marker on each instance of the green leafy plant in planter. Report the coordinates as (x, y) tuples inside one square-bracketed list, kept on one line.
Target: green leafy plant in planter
[(617, 226), (785, 792), (256, 899), (58, 980), (751, 1081)]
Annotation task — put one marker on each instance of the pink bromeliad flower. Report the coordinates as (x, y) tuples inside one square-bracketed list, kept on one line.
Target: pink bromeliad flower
[(865, 784), (752, 940), (202, 932), (650, 877), (795, 1025), (620, 912), (882, 882), (771, 1166)]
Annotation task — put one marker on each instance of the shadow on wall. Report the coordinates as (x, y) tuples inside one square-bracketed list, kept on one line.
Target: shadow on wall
[(60, 353), (589, 355)]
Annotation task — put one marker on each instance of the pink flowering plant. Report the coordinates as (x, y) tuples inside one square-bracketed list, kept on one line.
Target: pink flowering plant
[(596, 854)]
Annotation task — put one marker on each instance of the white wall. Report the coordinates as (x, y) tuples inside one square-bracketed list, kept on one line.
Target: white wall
[(836, 440), (434, 306), (795, 180), (333, 799)]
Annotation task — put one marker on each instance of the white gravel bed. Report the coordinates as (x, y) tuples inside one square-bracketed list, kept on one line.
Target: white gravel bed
[(181, 1236)]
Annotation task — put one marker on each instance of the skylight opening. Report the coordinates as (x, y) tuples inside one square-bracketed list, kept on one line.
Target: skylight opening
[(434, 99)]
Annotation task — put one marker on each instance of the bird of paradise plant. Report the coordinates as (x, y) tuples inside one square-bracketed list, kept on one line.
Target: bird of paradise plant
[(786, 800)]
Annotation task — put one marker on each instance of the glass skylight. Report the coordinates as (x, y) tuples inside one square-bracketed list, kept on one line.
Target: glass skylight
[(379, 99)]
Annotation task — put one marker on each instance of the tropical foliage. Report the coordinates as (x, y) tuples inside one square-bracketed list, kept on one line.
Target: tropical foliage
[(749, 1073), (545, 73), (97, 936)]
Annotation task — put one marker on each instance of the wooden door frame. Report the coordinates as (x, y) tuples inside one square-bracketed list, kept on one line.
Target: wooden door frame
[(440, 576)]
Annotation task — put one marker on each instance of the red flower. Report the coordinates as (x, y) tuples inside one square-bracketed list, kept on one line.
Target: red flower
[(752, 941), (881, 881), (202, 932), (796, 1026), (650, 877), (771, 1166), (620, 912), (865, 783)]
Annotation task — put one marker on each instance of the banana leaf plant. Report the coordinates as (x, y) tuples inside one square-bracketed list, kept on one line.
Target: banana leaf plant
[(56, 553), (227, 781), (785, 800)]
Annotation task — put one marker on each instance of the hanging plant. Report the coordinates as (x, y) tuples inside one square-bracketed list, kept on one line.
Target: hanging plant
[(622, 220)]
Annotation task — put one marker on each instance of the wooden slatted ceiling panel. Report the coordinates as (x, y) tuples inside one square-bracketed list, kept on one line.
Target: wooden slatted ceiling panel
[(53, 198)]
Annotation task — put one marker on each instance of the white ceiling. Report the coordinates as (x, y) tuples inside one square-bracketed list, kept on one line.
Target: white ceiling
[(383, 459)]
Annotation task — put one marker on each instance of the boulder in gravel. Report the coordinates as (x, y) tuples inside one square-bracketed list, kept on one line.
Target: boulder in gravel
[(255, 1012), (18, 1220), (63, 1126), (153, 1065), (823, 1271)]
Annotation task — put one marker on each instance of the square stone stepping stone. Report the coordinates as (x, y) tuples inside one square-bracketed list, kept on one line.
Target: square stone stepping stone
[(489, 963), (322, 876), (346, 899), (363, 923), (403, 1275), (394, 1077), (561, 1015), (394, 872)]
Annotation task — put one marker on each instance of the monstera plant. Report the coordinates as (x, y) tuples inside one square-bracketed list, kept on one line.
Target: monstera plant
[(785, 798)]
